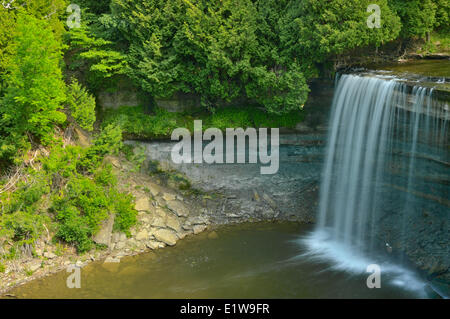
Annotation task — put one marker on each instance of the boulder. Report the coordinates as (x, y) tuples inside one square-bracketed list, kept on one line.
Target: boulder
[(199, 228), (173, 222), (35, 265), (154, 188), (49, 255), (197, 220), (120, 245), (159, 221), (153, 244), (178, 208), (142, 235), (143, 204), (168, 196), (104, 235), (83, 138), (117, 237), (166, 236)]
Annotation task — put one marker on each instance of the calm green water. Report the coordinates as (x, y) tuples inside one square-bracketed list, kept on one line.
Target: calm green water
[(243, 261), (431, 68)]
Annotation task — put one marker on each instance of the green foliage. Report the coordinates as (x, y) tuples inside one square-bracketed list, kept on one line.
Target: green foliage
[(261, 50), (22, 227), (25, 197), (250, 117), (104, 176), (95, 6), (418, 16), (7, 21), (133, 120), (73, 228), (136, 123), (80, 210), (442, 15), (82, 192), (315, 30), (94, 56), (126, 215), (208, 48), (21, 219), (81, 105), (439, 42), (85, 202), (34, 90), (109, 141), (63, 162), (136, 155)]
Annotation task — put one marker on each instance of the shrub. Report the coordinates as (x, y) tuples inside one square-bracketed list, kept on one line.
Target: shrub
[(63, 162), (126, 215), (22, 227), (91, 199), (73, 229), (81, 105), (134, 121), (109, 141), (104, 176)]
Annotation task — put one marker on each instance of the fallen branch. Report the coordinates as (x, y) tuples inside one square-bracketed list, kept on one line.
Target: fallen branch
[(12, 180)]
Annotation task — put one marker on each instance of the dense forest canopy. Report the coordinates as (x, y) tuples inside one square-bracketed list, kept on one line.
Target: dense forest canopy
[(264, 51)]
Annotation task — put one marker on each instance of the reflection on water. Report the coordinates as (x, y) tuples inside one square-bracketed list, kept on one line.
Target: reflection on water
[(240, 261), (429, 68)]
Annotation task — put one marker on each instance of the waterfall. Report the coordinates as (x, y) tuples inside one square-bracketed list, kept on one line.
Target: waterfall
[(386, 140)]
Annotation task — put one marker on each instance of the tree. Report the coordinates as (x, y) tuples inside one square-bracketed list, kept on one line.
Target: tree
[(7, 22), (34, 90), (95, 6), (81, 105), (442, 15), (93, 58), (208, 48), (418, 17), (315, 30)]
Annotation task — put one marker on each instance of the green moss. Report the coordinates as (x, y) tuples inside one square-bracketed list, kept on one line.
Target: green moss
[(135, 123)]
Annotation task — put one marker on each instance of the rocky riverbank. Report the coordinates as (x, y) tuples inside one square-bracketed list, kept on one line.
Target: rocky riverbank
[(165, 216), (169, 209)]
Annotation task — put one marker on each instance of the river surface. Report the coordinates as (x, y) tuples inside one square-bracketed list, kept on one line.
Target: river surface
[(260, 260), (428, 68)]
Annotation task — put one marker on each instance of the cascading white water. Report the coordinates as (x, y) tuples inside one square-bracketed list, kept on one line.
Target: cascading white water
[(374, 120)]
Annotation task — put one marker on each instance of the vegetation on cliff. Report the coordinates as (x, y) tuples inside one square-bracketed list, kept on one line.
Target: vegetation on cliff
[(49, 182)]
